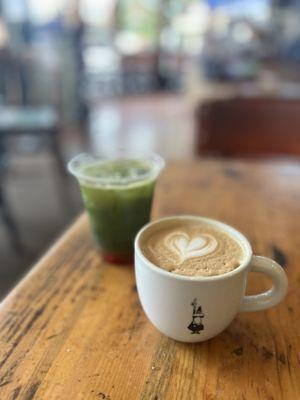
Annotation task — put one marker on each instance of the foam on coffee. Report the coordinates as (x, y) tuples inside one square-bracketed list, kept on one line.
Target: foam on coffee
[(192, 248)]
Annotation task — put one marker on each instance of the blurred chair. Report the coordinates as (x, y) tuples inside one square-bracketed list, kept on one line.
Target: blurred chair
[(139, 72), (5, 211), (19, 116), (242, 127), (22, 113)]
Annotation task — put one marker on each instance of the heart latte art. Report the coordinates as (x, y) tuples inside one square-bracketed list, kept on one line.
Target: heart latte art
[(186, 247)]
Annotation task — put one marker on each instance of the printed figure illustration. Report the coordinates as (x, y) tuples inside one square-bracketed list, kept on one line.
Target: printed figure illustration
[(196, 325)]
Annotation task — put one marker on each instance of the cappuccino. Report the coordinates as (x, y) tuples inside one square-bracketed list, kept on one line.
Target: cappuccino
[(193, 248)]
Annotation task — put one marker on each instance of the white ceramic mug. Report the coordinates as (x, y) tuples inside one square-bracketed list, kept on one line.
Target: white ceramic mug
[(193, 309)]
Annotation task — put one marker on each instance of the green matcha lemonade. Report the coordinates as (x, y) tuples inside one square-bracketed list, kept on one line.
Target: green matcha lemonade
[(117, 194)]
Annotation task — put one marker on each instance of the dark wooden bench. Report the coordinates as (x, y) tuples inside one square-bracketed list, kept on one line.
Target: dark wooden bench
[(242, 127)]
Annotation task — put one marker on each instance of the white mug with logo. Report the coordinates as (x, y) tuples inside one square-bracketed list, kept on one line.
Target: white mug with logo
[(193, 309)]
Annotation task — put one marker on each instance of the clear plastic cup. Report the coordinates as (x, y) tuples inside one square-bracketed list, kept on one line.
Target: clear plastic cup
[(117, 191)]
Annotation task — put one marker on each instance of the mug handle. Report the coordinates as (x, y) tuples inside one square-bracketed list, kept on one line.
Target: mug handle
[(272, 296)]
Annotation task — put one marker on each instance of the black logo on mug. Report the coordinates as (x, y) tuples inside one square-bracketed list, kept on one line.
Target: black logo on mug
[(196, 325)]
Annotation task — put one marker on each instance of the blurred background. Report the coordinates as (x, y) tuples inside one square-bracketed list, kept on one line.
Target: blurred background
[(189, 78)]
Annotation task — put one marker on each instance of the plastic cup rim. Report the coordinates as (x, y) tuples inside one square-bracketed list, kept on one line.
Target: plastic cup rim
[(77, 161)]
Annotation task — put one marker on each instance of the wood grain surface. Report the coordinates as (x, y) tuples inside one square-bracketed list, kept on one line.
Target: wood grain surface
[(73, 328)]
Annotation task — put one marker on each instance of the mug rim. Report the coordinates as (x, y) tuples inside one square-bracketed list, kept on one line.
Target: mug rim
[(228, 228)]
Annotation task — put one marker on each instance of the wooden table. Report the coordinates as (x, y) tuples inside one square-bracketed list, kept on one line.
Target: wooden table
[(73, 328)]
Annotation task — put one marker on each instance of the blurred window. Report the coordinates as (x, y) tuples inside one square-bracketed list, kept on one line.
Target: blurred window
[(95, 12), (258, 10), (45, 11), (14, 11)]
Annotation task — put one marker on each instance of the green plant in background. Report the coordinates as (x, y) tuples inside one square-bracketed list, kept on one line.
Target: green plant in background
[(148, 17), (140, 17)]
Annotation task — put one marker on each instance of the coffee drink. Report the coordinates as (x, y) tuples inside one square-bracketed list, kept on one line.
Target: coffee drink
[(199, 297), (193, 248)]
